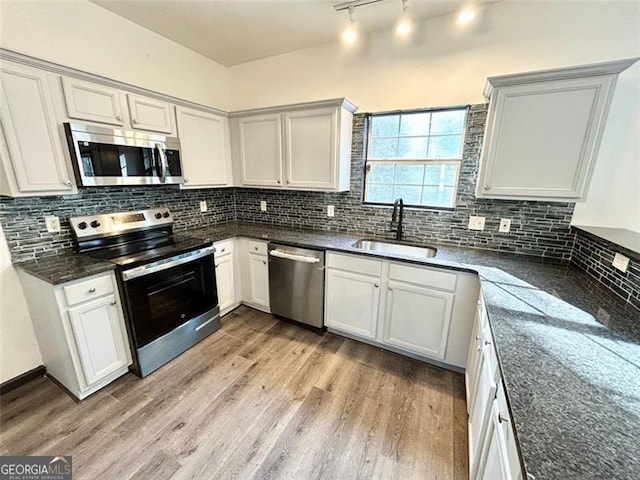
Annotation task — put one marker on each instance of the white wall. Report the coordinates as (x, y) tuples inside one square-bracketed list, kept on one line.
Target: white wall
[(83, 35), (448, 66), (19, 351)]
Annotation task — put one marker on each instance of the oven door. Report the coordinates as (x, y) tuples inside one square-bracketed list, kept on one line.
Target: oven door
[(164, 295)]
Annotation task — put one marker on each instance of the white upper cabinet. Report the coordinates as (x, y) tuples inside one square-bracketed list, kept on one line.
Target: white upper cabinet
[(150, 114), (205, 150), (308, 144), (260, 150), (311, 146), (31, 149), (93, 102), (543, 132)]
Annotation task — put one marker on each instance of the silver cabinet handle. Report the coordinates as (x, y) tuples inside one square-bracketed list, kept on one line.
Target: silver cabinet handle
[(92, 290), (255, 248), (185, 179), (487, 342), (279, 181), (118, 118), (134, 121), (114, 303), (67, 183), (478, 338), (264, 262), (216, 265), (502, 419), (288, 182), (480, 348), (376, 285), (223, 250), (389, 288), (487, 187)]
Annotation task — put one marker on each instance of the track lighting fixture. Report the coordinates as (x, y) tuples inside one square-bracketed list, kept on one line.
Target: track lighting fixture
[(403, 27)]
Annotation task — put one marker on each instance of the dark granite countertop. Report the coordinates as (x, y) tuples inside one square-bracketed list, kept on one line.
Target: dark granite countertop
[(569, 353), (569, 349), (64, 268)]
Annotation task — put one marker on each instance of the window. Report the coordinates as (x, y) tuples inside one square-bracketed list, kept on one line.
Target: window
[(415, 156)]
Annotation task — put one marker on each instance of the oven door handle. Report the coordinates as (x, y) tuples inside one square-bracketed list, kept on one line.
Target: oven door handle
[(165, 264), (163, 163)]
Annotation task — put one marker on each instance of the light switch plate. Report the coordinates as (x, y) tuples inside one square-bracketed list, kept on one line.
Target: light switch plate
[(331, 211), (476, 223), (263, 206), (505, 225), (53, 223), (203, 206), (620, 262)]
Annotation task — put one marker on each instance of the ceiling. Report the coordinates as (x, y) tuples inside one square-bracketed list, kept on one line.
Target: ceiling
[(237, 31)]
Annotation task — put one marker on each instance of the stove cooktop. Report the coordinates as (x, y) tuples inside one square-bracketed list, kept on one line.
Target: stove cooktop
[(149, 250)]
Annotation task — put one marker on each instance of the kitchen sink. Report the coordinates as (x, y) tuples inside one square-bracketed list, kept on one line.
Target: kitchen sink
[(400, 248)]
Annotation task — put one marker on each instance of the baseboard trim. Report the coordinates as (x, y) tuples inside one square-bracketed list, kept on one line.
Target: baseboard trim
[(20, 380)]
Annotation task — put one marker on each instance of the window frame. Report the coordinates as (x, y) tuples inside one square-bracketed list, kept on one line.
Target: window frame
[(413, 161)]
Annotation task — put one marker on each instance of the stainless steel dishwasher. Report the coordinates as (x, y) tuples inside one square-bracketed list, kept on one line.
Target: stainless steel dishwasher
[(296, 284)]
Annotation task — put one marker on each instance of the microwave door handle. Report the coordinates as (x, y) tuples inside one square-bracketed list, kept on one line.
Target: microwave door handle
[(163, 162)]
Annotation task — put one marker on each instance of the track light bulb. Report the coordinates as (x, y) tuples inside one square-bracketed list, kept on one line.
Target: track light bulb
[(403, 28), (466, 15), (349, 36)]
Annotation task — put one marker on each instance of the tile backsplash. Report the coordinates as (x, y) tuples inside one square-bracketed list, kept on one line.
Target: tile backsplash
[(22, 218), (537, 228), (595, 256)]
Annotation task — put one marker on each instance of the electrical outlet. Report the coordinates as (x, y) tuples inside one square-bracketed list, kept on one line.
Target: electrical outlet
[(203, 206), (620, 262), (263, 206), (53, 223), (505, 225), (331, 211), (476, 223)]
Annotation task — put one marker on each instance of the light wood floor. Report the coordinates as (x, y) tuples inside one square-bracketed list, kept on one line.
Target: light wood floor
[(259, 399)]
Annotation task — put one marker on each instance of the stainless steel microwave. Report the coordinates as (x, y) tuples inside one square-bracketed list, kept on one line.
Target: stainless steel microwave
[(114, 156)]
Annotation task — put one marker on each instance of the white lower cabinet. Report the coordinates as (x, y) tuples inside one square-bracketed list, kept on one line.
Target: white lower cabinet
[(80, 329), (352, 302), (493, 453), (428, 314), (417, 318), (226, 276), (99, 338), (254, 273)]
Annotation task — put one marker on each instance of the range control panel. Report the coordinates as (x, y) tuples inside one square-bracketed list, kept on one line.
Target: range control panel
[(106, 224)]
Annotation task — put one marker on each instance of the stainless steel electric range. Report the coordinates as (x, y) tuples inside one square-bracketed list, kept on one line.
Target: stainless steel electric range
[(167, 281)]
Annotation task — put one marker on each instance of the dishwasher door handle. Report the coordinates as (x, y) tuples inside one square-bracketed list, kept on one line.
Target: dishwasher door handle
[(294, 257)]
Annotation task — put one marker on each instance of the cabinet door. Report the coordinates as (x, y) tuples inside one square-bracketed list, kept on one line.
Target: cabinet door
[(494, 464), (260, 146), (204, 143), (542, 139), (93, 102), (417, 319), (225, 279), (481, 401), (311, 148), (33, 139), (473, 361), (100, 339), (259, 279), (149, 114), (351, 302)]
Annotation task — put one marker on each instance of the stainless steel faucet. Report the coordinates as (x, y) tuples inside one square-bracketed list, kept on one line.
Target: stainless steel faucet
[(396, 218)]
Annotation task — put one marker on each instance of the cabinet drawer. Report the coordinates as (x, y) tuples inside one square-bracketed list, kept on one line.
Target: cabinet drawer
[(354, 264), (87, 290), (257, 247), (423, 276), (223, 248)]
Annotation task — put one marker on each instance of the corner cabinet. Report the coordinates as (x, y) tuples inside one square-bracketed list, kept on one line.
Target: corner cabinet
[(205, 149), (543, 131), (32, 151), (81, 330), (298, 147)]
